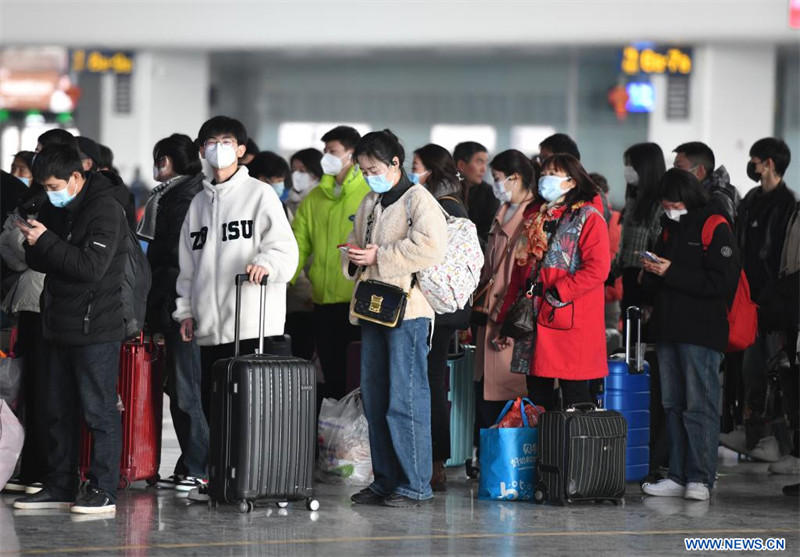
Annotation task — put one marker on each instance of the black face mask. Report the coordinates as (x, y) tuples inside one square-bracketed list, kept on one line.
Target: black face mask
[(751, 172)]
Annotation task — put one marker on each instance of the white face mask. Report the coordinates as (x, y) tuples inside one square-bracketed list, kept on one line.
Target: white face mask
[(631, 176), (500, 192), (301, 181), (676, 214), (220, 156), (331, 164)]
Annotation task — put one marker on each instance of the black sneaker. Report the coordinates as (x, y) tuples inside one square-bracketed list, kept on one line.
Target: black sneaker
[(169, 483), (41, 500), (15, 485), (94, 501), (402, 502), (366, 497)]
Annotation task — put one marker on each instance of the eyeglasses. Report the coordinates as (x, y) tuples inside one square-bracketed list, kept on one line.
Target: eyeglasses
[(212, 143)]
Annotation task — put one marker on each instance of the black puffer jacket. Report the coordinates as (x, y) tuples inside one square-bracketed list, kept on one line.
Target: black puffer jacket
[(691, 300), (482, 206), (84, 265), (162, 252)]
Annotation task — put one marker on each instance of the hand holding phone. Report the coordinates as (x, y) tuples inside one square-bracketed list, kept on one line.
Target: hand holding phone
[(648, 256), (346, 247), (20, 219)]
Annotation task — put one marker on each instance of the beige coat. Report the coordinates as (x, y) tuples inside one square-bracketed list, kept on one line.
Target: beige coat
[(403, 250), (490, 365)]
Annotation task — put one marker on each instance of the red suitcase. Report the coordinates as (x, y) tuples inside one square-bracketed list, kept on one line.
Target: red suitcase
[(141, 392)]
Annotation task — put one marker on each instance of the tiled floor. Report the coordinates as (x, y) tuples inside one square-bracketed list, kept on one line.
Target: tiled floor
[(747, 503)]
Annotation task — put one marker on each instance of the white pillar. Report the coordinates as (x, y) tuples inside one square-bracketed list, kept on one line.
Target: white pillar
[(169, 95), (731, 105)]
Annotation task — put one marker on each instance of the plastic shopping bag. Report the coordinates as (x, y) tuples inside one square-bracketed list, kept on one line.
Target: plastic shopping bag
[(343, 439), (508, 458), (10, 378), (11, 438)]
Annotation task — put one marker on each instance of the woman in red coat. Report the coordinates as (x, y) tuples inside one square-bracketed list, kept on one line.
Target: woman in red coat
[(561, 265)]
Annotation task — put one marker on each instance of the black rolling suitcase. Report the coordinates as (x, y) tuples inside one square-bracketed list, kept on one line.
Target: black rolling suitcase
[(263, 425), (581, 455)]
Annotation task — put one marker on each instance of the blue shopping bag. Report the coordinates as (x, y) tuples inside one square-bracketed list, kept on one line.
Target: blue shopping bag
[(508, 459)]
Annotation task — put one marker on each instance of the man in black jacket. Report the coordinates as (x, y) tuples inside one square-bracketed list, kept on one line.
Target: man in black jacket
[(82, 321), (472, 159), (698, 158)]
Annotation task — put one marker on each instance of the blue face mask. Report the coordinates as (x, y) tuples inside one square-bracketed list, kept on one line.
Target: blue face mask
[(61, 198), (550, 187), (26, 181), (279, 188), (380, 183), (414, 178)]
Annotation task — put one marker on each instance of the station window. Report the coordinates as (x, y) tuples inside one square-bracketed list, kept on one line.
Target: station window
[(528, 138), (448, 136), (293, 136)]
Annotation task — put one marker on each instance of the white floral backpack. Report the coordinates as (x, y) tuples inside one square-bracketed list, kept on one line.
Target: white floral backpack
[(449, 285)]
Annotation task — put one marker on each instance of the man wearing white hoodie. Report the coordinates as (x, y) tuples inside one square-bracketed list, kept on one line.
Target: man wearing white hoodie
[(235, 225)]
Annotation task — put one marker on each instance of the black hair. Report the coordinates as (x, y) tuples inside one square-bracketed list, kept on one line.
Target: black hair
[(647, 159), (311, 160), (222, 125), (268, 164), (773, 148), (58, 161), (26, 157), (347, 136), (182, 151), (600, 180), (58, 136), (466, 150), (443, 177), (383, 146), (678, 185), (252, 147), (561, 143), (513, 161), (699, 154), (585, 189), (106, 156)]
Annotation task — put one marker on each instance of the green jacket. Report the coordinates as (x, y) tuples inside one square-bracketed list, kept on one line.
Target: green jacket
[(322, 222)]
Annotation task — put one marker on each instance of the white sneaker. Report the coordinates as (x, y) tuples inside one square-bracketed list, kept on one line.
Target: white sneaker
[(767, 450), (696, 491), (789, 465), (735, 440), (664, 488), (189, 483)]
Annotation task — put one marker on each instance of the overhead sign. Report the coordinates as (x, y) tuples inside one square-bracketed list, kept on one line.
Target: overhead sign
[(656, 60), (641, 97), (101, 61)]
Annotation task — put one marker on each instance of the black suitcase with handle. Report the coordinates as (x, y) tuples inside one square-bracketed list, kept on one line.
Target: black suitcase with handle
[(581, 455), (263, 425)]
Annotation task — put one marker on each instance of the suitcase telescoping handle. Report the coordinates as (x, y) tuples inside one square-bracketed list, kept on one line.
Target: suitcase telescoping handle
[(240, 280), (634, 313)]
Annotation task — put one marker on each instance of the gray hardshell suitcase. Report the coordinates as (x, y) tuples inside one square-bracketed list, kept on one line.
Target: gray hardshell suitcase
[(263, 425)]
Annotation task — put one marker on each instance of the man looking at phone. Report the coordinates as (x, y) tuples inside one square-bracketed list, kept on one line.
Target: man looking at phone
[(323, 221)]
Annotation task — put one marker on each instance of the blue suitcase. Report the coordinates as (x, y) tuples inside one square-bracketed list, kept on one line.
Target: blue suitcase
[(461, 396), (627, 390)]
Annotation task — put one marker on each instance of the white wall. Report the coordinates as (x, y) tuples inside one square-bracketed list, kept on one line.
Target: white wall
[(732, 104)]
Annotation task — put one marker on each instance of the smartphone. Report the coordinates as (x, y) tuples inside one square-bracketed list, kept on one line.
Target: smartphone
[(648, 256), (20, 219), (495, 345), (346, 247)]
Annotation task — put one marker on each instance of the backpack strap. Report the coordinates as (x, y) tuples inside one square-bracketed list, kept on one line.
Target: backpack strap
[(708, 229)]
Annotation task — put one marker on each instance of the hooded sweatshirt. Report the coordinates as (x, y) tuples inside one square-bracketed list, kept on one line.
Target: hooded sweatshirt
[(229, 226)]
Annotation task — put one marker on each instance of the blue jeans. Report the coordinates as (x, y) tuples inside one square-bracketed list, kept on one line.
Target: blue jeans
[(186, 404), (83, 380), (397, 403), (690, 391)]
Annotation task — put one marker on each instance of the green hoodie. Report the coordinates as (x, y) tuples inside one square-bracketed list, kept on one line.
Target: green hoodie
[(323, 221)]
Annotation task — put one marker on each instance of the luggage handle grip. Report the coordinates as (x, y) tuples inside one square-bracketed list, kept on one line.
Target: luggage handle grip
[(634, 312), (240, 280)]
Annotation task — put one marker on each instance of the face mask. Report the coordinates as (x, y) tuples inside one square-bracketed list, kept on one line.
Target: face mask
[(279, 188), (631, 176), (61, 198), (676, 214), (301, 181), (415, 178), (550, 187), (26, 181), (220, 156), (331, 164), (380, 183), (499, 191), (751, 172)]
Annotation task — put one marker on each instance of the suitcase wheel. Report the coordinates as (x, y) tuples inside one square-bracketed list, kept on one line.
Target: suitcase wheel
[(124, 483), (282, 504), (245, 506), (312, 505), (472, 471), (540, 494), (153, 480)]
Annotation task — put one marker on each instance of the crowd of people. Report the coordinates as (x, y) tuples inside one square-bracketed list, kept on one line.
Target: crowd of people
[(358, 214)]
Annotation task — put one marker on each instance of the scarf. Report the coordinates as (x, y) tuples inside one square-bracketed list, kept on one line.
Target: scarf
[(147, 226), (533, 240)]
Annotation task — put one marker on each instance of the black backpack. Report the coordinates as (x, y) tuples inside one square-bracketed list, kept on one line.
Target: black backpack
[(135, 286)]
